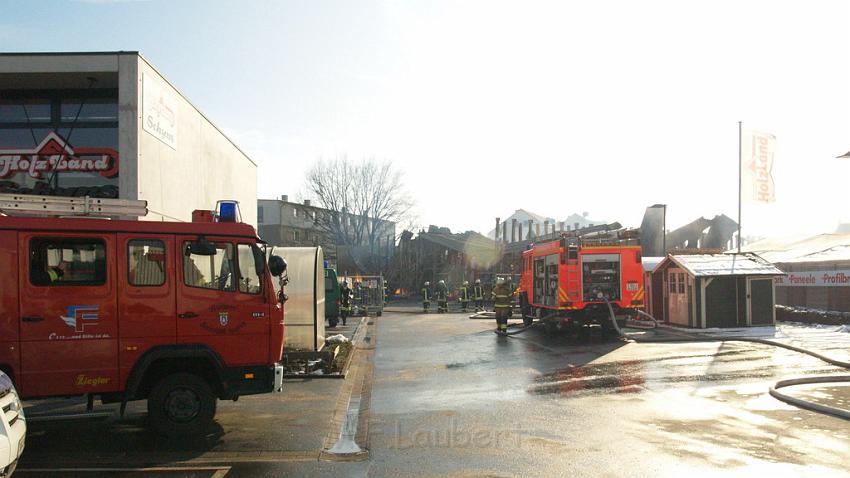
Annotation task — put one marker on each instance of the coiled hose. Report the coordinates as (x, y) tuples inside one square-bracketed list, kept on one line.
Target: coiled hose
[(815, 407)]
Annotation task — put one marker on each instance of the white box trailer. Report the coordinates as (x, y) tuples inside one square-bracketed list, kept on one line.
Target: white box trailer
[(304, 311)]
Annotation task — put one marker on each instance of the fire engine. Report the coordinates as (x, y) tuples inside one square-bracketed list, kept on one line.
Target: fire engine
[(178, 314), (566, 281)]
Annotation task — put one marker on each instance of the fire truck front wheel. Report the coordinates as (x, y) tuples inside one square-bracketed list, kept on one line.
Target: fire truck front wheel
[(181, 404)]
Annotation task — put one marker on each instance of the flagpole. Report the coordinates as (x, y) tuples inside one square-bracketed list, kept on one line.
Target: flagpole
[(739, 187)]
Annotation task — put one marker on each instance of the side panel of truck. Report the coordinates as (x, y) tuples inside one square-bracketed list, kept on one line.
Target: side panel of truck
[(213, 307), (68, 330), (9, 347), (146, 295)]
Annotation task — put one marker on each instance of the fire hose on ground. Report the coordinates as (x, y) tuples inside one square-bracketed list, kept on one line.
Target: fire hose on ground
[(492, 315), (815, 407), (774, 389)]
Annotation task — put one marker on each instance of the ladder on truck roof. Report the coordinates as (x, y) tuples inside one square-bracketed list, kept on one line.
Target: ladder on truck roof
[(62, 206)]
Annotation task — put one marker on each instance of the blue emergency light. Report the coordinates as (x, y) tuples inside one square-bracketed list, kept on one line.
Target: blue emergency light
[(228, 211)]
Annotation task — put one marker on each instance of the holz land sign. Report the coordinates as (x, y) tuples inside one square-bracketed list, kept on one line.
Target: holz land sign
[(54, 154), (159, 112)]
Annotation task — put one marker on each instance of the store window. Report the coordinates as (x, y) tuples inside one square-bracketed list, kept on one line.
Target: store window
[(260, 214), (35, 125), (67, 262), (33, 110)]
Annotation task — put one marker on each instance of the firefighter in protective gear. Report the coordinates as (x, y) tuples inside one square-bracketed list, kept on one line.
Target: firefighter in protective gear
[(463, 296), (426, 297), (345, 296), (478, 296), (442, 297), (357, 293), (502, 298)]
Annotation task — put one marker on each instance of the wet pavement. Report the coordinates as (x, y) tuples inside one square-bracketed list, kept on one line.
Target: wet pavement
[(450, 398)]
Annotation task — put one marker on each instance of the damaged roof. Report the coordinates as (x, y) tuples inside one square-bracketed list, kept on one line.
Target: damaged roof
[(710, 265), (459, 242)]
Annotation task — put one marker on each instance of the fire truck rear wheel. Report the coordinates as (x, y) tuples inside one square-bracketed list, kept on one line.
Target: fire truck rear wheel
[(332, 321), (181, 404)]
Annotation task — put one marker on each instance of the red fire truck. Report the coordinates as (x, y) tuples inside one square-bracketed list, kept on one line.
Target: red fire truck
[(565, 281), (179, 314)]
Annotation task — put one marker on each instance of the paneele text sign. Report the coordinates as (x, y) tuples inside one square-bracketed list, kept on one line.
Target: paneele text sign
[(814, 279)]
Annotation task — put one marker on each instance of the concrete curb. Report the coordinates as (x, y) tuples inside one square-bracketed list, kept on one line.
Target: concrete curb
[(357, 391)]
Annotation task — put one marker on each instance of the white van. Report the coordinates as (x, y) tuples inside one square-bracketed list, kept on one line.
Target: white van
[(13, 430)]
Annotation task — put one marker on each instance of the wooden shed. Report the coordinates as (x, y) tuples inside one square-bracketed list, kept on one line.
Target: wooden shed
[(717, 290)]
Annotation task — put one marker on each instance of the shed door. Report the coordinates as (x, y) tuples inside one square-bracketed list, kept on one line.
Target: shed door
[(760, 299), (677, 297)]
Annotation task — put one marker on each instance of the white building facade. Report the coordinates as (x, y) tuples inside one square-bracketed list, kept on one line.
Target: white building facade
[(110, 125)]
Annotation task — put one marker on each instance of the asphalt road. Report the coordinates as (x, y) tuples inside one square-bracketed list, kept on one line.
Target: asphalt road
[(450, 398)]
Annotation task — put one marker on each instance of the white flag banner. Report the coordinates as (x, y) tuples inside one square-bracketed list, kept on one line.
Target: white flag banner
[(757, 150)]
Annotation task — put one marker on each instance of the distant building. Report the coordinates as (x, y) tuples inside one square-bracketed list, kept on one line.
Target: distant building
[(817, 270), (295, 224), (438, 254), (523, 225), (702, 234)]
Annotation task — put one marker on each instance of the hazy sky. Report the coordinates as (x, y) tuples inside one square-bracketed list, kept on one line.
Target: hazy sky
[(556, 107)]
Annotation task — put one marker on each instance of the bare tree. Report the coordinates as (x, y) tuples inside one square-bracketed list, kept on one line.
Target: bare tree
[(360, 198)]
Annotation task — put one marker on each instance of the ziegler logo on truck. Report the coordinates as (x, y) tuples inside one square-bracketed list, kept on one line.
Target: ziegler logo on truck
[(86, 381)]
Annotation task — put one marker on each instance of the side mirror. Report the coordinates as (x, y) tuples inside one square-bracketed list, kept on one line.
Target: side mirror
[(201, 247), (277, 266)]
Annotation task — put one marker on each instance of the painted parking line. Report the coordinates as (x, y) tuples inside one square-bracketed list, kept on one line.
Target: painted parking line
[(158, 471)]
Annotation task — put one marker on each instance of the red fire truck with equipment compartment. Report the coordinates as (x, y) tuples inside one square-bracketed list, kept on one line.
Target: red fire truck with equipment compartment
[(179, 314), (566, 280)]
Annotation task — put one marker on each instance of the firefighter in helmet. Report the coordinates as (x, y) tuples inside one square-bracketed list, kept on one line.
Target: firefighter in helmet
[(345, 296), (426, 296), (478, 296), (442, 297), (463, 296), (502, 297)]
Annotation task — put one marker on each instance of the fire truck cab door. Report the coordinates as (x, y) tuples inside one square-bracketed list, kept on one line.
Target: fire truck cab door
[(147, 297), (220, 302), (68, 319)]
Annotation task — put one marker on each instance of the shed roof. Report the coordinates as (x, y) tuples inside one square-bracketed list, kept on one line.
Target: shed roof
[(711, 265), (650, 263)]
